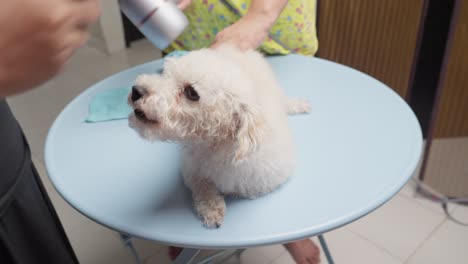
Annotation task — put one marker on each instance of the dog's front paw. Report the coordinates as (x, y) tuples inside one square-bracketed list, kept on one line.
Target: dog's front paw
[(212, 212)]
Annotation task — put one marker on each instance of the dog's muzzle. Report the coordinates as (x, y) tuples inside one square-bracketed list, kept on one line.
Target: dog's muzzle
[(138, 92), (140, 115)]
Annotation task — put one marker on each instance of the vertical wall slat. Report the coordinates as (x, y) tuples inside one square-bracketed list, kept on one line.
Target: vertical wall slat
[(376, 37), (452, 119)]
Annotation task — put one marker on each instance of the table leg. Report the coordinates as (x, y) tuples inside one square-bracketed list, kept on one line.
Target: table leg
[(128, 243), (325, 249), (186, 256), (237, 253), (217, 255)]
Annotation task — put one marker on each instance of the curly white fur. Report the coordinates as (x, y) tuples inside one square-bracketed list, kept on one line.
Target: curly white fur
[(236, 136)]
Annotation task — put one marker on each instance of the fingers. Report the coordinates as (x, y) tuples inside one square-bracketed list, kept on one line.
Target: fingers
[(86, 12), (79, 39), (219, 39), (71, 43), (184, 4), (214, 44), (75, 34)]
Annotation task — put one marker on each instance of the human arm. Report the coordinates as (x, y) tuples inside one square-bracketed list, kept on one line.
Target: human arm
[(251, 30)]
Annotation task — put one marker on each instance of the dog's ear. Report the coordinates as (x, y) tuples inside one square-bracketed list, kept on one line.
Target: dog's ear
[(249, 131)]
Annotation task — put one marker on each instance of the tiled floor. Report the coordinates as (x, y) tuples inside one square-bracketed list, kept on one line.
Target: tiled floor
[(405, 230)]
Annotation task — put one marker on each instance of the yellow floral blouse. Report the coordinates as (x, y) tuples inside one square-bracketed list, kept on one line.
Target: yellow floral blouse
[(293, 32)]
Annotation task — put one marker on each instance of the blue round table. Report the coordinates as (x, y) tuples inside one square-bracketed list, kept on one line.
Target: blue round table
[(359, 145)]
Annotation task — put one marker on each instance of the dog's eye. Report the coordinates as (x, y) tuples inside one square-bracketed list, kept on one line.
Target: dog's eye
[(190, 93)]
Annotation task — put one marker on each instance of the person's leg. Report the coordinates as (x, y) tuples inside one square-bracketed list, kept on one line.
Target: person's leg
[(304, 251), (30, 231), (174, 252)]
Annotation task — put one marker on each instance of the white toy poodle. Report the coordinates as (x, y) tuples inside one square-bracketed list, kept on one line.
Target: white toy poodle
[(227, 109)]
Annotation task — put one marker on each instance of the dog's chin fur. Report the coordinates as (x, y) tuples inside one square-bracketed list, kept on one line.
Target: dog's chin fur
[(146, 131), (236, 135)]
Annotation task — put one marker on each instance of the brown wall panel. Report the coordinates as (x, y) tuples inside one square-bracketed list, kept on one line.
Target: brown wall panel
[(452, 117), (447, 167), (376, 37)]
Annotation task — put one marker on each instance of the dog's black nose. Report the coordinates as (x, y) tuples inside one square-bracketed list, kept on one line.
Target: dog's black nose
[(137, 92)]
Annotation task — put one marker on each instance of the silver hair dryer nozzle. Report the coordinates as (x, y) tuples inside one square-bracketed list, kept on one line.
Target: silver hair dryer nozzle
[(161, 21)]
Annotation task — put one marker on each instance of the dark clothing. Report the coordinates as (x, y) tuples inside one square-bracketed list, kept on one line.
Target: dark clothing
[(12, 149), (30, 231)]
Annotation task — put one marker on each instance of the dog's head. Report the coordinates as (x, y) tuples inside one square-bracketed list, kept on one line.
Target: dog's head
[(203, 97)]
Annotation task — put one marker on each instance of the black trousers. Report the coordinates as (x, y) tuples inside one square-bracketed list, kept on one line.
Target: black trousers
[(30, 231)]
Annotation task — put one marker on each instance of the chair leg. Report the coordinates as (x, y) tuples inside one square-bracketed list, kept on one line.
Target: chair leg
[(324, 246), (128, 243)]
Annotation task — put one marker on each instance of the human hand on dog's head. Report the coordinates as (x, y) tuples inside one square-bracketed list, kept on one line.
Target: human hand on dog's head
[(252, 29), (246, 34), (201, 98)]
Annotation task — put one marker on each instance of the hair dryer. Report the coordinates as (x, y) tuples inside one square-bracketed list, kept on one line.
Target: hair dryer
[(161, 21)]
